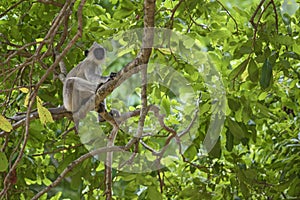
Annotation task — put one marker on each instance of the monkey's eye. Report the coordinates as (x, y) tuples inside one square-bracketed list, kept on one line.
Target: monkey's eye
[(86, 53), (99, 53)]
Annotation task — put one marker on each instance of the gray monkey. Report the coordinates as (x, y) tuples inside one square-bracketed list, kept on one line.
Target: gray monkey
[(82, 81)]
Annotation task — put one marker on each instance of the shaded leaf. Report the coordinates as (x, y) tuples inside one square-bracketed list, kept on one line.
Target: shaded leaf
[(253, 71), (216, 151), (235, 129), (233, 104), (229, 141), (266, 74)]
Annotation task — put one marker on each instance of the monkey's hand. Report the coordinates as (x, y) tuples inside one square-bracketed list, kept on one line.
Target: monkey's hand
[(114, 113), (112, 75)]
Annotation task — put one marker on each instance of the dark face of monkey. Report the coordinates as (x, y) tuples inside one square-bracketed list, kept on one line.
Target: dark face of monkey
[(99, 53)]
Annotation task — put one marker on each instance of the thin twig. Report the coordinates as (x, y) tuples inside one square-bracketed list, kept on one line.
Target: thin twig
[(228, 13), (74, 164), (10, 8), (276, 15), (173, 13), (34, 92), (255, 13)]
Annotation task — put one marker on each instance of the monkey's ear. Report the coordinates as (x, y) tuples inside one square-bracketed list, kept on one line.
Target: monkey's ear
[(86, 53)]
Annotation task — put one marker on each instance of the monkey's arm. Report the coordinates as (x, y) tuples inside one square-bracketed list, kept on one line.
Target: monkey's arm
[(82, 84), (93, 74)]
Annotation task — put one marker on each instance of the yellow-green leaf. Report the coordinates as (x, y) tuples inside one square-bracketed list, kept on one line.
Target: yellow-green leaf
[(3, 162), (24, 90), (26, 102), (44, 114), (5, 124), (165, 102)]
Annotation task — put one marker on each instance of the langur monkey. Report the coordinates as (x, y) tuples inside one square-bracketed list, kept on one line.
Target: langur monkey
[(82, 81)]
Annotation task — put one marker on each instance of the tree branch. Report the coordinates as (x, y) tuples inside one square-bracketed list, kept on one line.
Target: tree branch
[(74, 164), (34, 92)]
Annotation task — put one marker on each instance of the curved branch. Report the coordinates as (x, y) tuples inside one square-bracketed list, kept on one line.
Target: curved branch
[(35, 91), (74, 164), (228, 13)]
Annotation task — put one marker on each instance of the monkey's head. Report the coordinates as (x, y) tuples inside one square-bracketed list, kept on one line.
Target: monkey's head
[(96, 53)]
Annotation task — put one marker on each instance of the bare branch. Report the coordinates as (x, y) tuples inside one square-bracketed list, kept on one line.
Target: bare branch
[(74, 164), (10, 8), (255, 13), (43, 78), (255, 25), (173, 13), (227, 11)]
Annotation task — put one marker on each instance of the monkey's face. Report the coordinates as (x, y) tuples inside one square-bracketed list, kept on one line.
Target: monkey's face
[(96, 53), (99, 53)]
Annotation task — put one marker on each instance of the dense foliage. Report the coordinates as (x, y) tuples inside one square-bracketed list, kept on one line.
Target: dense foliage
[(255, 48)]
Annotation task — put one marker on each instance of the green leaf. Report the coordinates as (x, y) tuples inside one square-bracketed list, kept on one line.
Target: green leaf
[(190, 153), (244, 190), (216, 151), (188, 43), (153, 193), (5, 125), (3, 162), (122, 13), (165, 102), (235, 129), (44, 114), (238, 70), (291, 54), (57, 196), (266, 74), (253, 71), (229, 141), (233, 104)]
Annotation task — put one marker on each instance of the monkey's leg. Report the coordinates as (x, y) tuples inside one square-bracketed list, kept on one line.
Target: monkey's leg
[(102, 109)]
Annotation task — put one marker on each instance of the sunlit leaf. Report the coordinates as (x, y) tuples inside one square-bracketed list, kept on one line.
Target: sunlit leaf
[(238, 70), (3, 162), (44, 114), (24, 90), (165, 102), (5, 124)]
